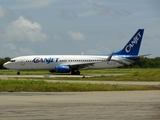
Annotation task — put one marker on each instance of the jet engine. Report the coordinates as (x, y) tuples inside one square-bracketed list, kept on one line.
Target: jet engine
[(62, 69)]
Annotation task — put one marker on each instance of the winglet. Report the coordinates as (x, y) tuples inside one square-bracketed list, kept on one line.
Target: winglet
[(109, 57)]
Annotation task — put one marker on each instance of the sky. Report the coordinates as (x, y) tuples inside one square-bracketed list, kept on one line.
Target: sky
[(74, 27)]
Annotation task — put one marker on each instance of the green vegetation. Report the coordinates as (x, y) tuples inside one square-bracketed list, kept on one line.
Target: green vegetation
[(42, 86), (145, 63), (2, 61), (43, 72), (20, 84), (127, 75)]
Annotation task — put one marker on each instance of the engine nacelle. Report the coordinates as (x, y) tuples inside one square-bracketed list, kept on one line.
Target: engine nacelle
[(62, 69)]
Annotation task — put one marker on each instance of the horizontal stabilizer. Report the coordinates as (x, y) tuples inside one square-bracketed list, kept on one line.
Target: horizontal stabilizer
[(141, 56), (136, 58)]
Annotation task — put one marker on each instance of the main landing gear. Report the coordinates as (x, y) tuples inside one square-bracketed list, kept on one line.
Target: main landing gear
[(75, 72), (18, 73)]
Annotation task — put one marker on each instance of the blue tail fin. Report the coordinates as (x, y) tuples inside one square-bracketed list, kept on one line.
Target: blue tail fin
[(133, 46)]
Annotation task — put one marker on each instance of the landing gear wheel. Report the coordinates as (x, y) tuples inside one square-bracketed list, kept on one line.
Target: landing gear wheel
[(18, 73), (73, 72), (77, 72)]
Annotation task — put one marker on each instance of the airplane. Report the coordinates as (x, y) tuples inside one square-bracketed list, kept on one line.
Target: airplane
[(74, 63)]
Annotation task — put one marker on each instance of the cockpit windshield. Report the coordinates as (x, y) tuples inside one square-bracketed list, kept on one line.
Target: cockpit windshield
[(12, 60)]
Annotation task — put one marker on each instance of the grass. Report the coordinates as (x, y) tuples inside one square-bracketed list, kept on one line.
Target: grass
[(42, 72), (42, 86), (129, 75)]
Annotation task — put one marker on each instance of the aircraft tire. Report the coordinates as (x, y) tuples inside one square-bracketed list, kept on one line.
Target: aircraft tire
[(77, 72), (73, 72), (18, 73)]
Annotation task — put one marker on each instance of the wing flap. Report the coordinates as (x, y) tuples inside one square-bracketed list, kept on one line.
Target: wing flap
[(80, 65)]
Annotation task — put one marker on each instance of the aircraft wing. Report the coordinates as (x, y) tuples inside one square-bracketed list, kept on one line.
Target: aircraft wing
[(85, 65), (81, 66)]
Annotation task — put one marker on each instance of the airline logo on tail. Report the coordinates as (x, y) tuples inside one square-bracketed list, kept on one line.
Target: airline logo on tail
[(133, 42)]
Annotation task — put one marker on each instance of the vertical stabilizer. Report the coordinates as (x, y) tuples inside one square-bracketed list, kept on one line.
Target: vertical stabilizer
[(133, 46)]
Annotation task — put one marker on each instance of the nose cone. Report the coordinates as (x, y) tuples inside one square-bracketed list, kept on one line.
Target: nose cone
[(6, 65)]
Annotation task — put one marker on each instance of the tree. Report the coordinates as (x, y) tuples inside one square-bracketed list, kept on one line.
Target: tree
[(2, 61)]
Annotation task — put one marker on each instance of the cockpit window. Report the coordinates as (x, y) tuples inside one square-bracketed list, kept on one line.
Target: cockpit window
[(12, 60)]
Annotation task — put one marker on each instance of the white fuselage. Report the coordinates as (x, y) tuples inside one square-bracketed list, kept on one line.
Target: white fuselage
[(49, 62)]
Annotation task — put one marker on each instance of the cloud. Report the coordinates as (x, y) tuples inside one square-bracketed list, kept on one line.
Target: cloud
[(56, 37), (109, 11), (25, 51), (67, 14), (77, 36), (2, 12), (28, 4), (23, 30), (10, 46), (9, 49), (98, 50), (87, 13), (104, 9), (6, 14)]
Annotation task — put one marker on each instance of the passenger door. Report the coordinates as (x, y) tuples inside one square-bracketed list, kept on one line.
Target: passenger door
[(22, 61)]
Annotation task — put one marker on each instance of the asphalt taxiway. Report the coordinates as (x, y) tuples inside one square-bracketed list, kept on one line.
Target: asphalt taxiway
[(124, 105), (58, 75), (105, 82)]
